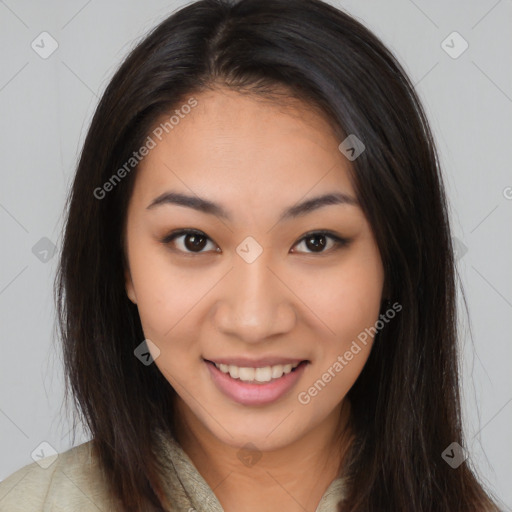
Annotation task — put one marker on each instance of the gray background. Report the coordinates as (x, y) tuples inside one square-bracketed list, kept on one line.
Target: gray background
[(46, 106)]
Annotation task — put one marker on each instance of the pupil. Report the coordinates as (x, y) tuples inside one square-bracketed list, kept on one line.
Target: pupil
[(316, 247), (194, 245)]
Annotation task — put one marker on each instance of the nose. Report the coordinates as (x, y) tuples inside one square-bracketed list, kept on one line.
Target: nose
[(255, 303)]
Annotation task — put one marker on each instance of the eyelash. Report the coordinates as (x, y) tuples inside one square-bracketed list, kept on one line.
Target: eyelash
[(339, 242)]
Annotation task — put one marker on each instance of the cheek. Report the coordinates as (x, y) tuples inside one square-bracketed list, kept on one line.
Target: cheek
[(169, 300), (159, 290), (347, 298)]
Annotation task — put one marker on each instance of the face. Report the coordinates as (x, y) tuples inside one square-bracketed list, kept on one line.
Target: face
[(248, 274)]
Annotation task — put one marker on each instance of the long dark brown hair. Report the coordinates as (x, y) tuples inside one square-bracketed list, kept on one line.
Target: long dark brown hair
[(405, 404)]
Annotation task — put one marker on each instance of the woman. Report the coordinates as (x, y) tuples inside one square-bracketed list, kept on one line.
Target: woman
[(256, 292)]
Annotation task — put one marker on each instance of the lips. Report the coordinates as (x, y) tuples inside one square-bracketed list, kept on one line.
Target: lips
[(255, 393)]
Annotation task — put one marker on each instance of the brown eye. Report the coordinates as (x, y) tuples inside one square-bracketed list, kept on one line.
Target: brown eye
[(191, 241), (316, 242), (194, 242)]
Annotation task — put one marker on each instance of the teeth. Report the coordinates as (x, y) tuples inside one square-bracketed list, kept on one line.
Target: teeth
[(246, 374), (264, 374), (233, 371)]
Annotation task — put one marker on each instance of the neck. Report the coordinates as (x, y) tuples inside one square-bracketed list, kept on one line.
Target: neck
[(294, 476)]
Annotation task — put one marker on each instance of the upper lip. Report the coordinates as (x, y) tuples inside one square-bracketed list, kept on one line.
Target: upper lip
[(245, 362)]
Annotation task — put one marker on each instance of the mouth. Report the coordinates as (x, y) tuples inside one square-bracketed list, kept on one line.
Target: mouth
[(257, 372), (255, 385)]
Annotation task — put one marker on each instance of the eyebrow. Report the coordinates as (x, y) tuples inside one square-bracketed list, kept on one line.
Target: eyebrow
[(211, 208)]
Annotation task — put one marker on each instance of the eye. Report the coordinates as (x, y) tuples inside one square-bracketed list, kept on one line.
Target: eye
[(195, 241), (316, 241)]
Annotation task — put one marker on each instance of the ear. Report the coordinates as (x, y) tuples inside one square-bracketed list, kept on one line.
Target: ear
[(130, 290)]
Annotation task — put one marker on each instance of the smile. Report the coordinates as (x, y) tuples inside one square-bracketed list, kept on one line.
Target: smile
[(264, 374), (256, 385)]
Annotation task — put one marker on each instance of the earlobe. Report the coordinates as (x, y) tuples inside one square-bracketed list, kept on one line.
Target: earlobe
[(130, 291)]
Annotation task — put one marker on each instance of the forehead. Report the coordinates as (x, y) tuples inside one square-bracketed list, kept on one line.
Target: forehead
[(238, 147)]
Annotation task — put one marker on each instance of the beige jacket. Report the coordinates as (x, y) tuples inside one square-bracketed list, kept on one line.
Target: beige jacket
[(73, 483)]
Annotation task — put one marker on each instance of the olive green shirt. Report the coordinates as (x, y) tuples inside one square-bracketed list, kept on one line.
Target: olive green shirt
[(74, 483)]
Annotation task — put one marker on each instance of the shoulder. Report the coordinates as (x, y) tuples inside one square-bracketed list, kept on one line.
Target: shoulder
[(72, 481)]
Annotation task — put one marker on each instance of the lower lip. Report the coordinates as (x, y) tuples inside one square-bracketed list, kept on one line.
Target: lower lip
[(246, 393)]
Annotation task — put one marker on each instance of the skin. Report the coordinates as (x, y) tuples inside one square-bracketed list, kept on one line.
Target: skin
[(255, 159)]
